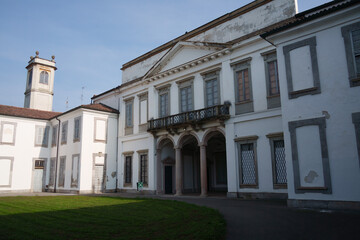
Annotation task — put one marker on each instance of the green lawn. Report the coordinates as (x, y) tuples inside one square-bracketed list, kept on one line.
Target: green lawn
[(81, 217)]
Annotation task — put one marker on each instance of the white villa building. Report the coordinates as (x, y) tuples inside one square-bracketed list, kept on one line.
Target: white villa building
[(263, 102)]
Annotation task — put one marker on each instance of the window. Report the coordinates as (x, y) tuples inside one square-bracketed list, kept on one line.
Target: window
[(52, 172), (54, 135), (164, 101), (128, 171), (351, 35), (44, 77), (247, 162), (143, 112), (64, 129), (356, 121), (243, 88), (100, 132), (62, 171), (302, 72), (186, 99), (75, 170), (6, 166), (77, 129), (7, 133), (30, 77), (310, 156), (143, 167), (272, 80), (278, 160), (42, 136), (129, 103), (212, 93)]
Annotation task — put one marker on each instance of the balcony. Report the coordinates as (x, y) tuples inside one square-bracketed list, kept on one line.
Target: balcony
[(192, 118)]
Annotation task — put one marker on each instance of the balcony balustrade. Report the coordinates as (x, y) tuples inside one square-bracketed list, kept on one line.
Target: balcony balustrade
[(196, 117)]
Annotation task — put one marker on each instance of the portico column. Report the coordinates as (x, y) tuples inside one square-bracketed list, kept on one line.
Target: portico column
[(158, 171), (178, 167), (203, 171)]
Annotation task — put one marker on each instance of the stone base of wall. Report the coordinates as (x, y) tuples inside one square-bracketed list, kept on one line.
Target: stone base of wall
[(260, 195), (65, 191), (16, 191), (320, 204), (134, 191)]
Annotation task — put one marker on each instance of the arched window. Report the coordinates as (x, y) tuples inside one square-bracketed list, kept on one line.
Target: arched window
[(44, 77), (30, 77)]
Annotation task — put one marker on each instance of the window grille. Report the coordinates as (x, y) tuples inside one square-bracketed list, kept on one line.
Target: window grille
[(144, 168), (39, 164), (128, 169), (247, 164), (280, 164)]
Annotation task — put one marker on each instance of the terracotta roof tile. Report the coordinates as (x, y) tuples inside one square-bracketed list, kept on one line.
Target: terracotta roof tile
[(100, 107), (27, 112)]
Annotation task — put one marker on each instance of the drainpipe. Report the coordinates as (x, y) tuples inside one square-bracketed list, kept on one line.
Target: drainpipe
[(117, 149), (57, 153)]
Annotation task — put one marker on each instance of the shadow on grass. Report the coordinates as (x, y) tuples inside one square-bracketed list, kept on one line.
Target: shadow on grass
[(140, 219)]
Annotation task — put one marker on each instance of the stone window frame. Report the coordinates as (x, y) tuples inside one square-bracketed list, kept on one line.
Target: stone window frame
[(141, 153), (54, 171), (54, 137), (247, 140), (46, 75), (128, 154), (11, 170), (356, 121), (211, 75), (46, 134), (273, 101), (62, 185), (185, 83), (77, 139), (1, 133), (247, 106), (316, 89), (64, 134), (321, 123), (143, 97), (164, 89), (129, 129), (106, 129), (75, 184), (275, 137), (354, 76)]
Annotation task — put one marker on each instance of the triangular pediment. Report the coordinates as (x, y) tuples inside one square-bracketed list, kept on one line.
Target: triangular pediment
[(184, 52)]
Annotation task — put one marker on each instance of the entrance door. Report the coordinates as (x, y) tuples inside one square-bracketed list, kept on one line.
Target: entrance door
[(38, 180), (168, 180), (98, 179)]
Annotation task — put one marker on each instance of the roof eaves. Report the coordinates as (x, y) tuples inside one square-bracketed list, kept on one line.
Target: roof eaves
[(301, 18)]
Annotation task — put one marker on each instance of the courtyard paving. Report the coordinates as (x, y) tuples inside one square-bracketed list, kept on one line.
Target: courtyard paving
[(267, 219)]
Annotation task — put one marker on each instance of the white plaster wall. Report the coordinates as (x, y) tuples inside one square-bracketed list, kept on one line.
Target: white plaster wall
[(141, 68), (23, 152), (337, 102), (89, 147), (249, 22)]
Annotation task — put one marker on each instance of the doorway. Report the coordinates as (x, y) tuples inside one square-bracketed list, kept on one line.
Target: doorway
[(39, 175), (98, 179), (168, 180)]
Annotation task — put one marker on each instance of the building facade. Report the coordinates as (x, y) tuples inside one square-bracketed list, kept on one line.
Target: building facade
[(259, 103)]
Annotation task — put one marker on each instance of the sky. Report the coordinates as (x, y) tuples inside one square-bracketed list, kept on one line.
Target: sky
[(91, 39)]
